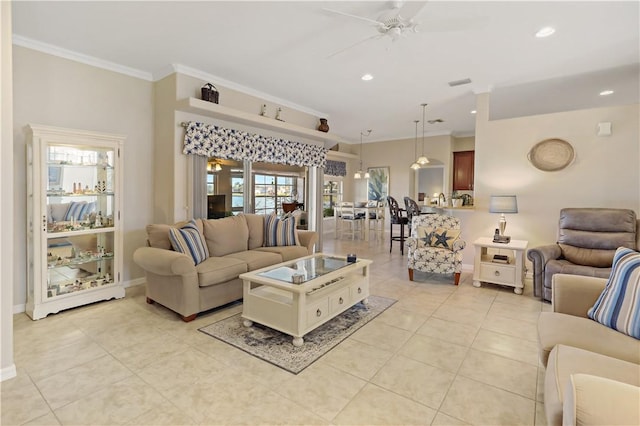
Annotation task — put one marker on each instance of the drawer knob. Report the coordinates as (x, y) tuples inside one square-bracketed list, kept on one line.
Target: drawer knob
[(359, 290), (497, 273), (340, 301), (318, 313)]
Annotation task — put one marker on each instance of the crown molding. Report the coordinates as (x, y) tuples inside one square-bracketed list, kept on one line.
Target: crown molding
[(192, 72), (19, 40)]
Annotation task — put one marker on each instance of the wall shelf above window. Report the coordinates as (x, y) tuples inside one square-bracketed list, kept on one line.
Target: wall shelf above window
[(209, 109)]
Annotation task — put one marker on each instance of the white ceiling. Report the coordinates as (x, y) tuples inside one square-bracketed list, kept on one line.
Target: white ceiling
[(282, 49)]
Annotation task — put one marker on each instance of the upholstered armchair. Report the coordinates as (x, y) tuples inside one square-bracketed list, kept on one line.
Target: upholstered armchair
[(587, 240), (435, 245)]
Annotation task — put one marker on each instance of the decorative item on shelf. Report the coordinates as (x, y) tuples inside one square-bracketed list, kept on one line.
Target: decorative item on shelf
[(359, 174), (415, 165), (210, 93), (323, 126), (422, 160), (502, 204), (263, 110), (278, 112)]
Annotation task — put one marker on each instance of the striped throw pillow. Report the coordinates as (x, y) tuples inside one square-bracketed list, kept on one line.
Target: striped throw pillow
[(618, 306), (280, 232), (189, 240)]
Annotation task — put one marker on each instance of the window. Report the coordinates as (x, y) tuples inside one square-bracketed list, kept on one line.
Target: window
[(237, 192), (271, 190), (331, 194), (211, 183)]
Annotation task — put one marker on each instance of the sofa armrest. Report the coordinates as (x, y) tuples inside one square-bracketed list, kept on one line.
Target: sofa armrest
[(575, 294), (539, 256), (307, 239), (164, 262), (594, 400)]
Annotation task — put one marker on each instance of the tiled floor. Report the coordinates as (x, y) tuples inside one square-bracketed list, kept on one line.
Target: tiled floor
[(442, 355)]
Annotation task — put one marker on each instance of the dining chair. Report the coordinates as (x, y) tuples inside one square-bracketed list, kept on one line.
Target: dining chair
[(396, 217), (376, 218), (349, 219)]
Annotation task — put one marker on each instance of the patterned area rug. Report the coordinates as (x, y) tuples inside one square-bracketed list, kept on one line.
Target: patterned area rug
[(275, 347)]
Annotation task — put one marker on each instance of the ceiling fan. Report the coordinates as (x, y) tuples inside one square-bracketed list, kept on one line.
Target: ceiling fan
[(394, 23)]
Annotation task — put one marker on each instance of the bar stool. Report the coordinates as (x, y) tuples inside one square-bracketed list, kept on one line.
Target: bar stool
[(396, 217)]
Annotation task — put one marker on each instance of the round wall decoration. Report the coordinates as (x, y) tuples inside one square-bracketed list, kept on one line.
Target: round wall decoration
[(551, 155)]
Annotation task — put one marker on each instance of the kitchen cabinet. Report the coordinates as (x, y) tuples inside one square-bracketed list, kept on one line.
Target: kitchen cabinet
[(463, 168)]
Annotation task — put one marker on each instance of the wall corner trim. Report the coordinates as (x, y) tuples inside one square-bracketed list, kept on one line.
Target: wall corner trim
[(8, 372)]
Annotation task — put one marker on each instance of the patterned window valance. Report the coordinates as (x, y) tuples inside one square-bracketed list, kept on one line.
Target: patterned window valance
[(335, 168), (214, 141)]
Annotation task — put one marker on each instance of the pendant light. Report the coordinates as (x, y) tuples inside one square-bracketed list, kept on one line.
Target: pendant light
[(359, 173), (422, 160), (415, 165)]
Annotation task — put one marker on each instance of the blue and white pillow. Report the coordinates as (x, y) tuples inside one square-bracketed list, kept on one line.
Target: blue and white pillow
[(189, 240), (618, 306), (280, 232)]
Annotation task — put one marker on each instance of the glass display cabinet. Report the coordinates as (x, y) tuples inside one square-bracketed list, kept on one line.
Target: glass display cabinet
[(74, 240)]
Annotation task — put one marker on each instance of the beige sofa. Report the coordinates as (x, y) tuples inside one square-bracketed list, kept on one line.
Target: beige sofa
[(235, 246), (583, 358)]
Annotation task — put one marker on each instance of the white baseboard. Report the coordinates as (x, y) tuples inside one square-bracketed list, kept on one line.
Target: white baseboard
[(18, 309), (8, 372), (134, 282)]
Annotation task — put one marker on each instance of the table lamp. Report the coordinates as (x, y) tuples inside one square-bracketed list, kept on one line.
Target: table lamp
[(503, 204)]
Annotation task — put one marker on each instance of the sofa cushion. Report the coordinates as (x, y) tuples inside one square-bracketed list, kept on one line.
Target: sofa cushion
[(286, 252), (618, 306), (217, 270), (255, 223), (563, 266), (556, 328), (227, 235), (598, 258), (280, 232), (189, 240), (594, 400), (566, 360), (256, 259), (158, 234)]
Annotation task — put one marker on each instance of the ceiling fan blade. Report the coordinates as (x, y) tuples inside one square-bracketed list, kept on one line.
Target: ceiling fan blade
[(362, 18), (354, 45), (411, 8)]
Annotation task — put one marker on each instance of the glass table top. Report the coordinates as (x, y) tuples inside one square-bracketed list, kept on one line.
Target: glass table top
[(303, 270)]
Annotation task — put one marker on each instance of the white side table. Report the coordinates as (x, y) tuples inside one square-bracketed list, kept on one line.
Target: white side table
[(511, 273)]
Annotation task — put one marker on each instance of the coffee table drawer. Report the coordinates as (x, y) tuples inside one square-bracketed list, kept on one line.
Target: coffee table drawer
[(358, 292), (497, 273), (339, 301), (317, 312)]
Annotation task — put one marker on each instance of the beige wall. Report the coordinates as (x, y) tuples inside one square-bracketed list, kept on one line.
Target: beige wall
[(7, 254), (604, 174), (398, 155), (177, 204), (58, 92)]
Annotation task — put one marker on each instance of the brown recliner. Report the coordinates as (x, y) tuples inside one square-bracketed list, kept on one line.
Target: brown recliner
[(587, 240)]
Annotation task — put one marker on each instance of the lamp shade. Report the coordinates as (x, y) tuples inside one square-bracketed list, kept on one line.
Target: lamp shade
[(503, 204)]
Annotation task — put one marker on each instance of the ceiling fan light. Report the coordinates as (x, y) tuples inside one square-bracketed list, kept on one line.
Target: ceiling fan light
[(415, 166), (422, 160)]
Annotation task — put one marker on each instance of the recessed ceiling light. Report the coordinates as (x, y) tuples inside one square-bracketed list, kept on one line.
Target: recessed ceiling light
[(545, 32), (473, 111), (367, 77), (606, 92)]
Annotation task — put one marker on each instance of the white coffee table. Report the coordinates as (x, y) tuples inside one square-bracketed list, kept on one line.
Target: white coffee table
[(329, 286)]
